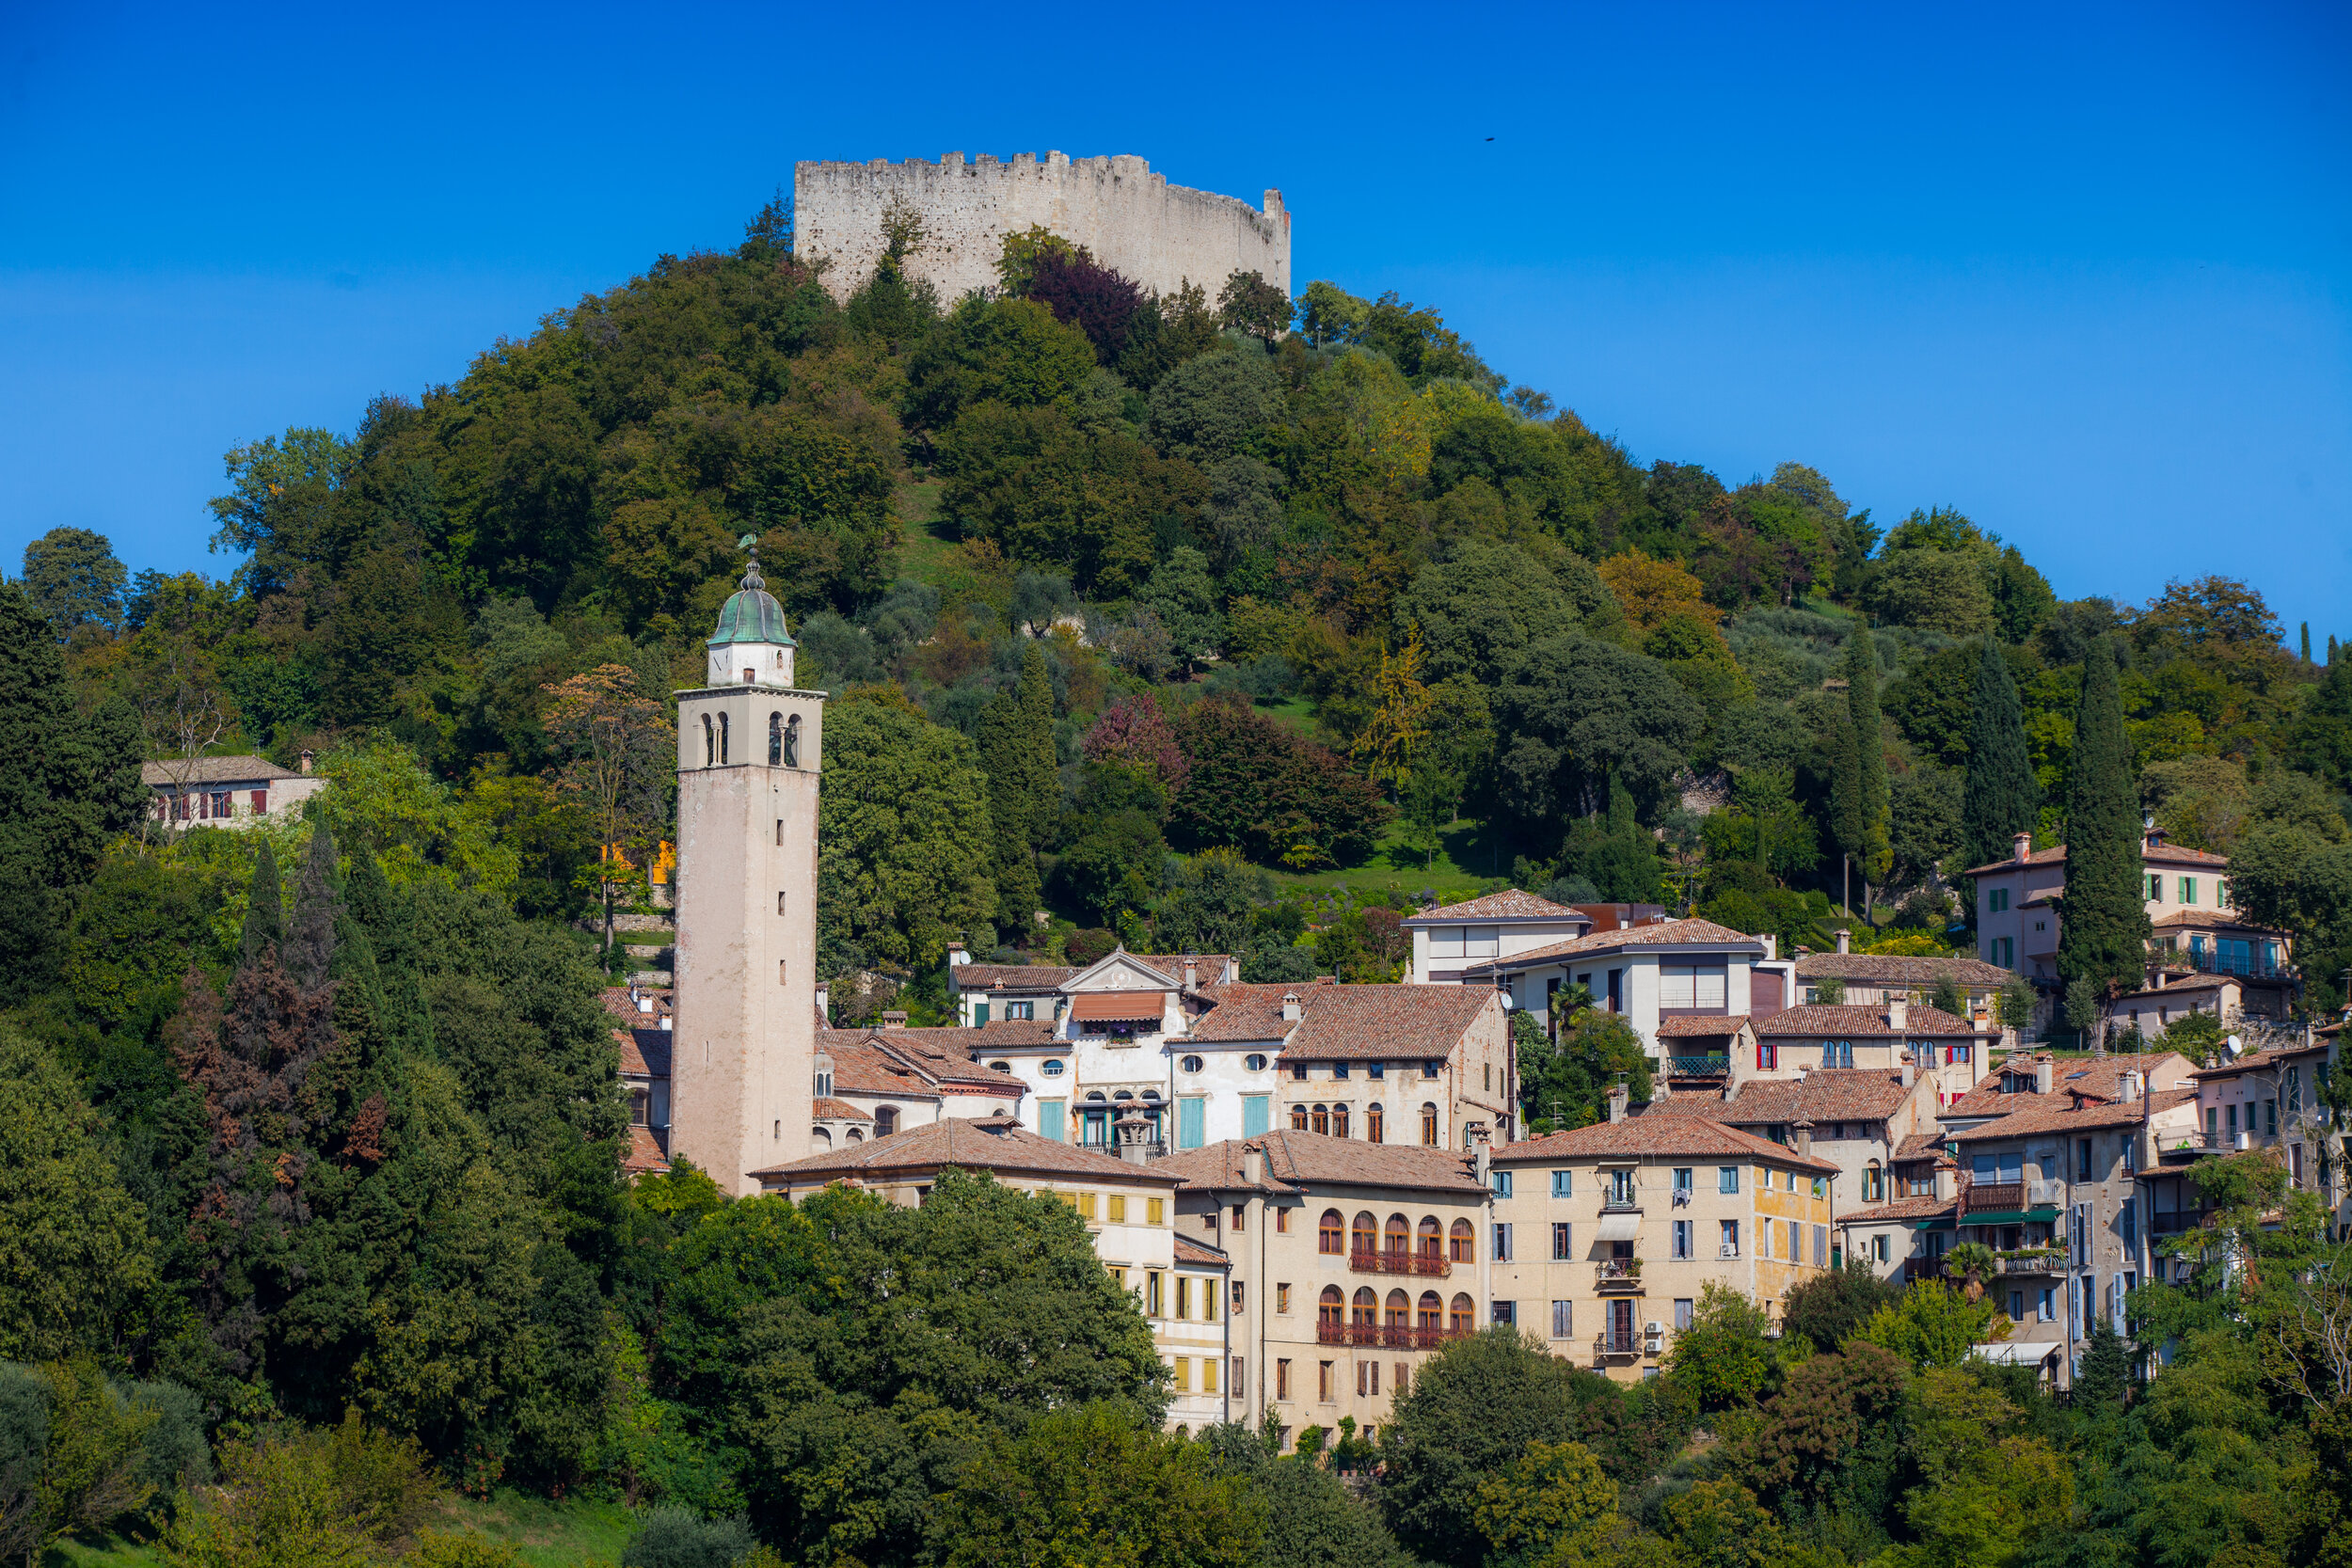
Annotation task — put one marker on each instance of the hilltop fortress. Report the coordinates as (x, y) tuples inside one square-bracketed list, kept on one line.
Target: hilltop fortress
[(1157, 234)]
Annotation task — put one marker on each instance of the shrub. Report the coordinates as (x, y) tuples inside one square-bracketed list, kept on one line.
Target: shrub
[(681, 1538)]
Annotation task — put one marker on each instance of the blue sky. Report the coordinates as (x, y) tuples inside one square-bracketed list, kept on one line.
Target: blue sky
[(2085, 273)]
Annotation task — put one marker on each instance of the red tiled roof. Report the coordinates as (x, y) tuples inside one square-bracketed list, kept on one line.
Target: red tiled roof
[(1699, 1137), (646, 1154), (1008, 977), (645, 1052), (615, 1000), (1701, 1026), (1510, 904), (2062, 1117), (2188, 919), (1920, 1145), (1843, 1019), (1304, 1160), (2167, 854), (2096, 1078), (1902, 969), (1351, 1023), (1251, 1012), (1200, 1255), (827, 1108), (1666, 933), (2268, 1057), (1899, 1209), (989, 1145), (1824, 1094)]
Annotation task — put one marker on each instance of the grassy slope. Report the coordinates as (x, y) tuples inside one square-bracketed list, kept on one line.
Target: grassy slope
[(573, 1533)]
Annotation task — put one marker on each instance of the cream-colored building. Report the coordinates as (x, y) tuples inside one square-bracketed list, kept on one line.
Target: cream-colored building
[(1604, 1236), (1350, 1264), (226, 792)]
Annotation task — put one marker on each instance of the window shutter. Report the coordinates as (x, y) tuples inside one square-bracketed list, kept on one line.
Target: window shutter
[(1256, 1115)]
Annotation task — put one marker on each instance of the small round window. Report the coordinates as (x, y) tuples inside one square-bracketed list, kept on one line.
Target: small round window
[(1053, 1070), (1191, 1064), (1000, 1067), (1254, 1063)]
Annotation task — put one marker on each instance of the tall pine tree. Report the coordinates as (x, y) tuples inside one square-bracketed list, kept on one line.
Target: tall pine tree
[(1017, 750), (2103, 914), (2000, 797), (1860, 807)]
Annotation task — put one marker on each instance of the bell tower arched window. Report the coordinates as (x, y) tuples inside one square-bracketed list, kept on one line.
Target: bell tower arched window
[(775, 740), (711, 742), (723, 741), (793, 741)]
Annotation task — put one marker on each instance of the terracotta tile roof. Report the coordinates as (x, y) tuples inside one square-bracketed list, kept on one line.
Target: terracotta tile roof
[(1347, 1022), (1296, 1161), (1249, 1012), (987, 1145), (1008, 977), (1212, 968), (2199, 985), (215, 771), (1510, 904), (1899, 1209), (1902, 970), (2190, 919), (826, 1108), (645, 1052), (2167, 854), (646, 1154), (1827, 1094), (1920, 1145), (2061, 1118), (1200, 1255), (2097, 1078), (2264, 1059), (1845, 1019), (1700, 1027), (1697, 1137), (615, 1000), (1666, 933)]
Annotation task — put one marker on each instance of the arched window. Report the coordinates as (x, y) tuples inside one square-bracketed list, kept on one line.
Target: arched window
[(1463, 1318), (1373, 1129), (1322, 1120), (775, 738), (819, 1138), (1432, 1311), (1328, 1234), (1398, 1312), (1396, 1238), (1873, 1184), (793, 741), (1364, 1239), (1331, 1307), (711, 742), (1429, 1127), (885, 1121), (1462, 1243), (1432, 1238), (1339, 1122), (854, 1135), (824, 1075), (1367, 1313), (1298, 1119), (723, 741)]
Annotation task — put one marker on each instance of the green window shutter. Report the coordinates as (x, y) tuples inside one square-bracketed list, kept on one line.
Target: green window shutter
[(1189, 1123), (1049, 1123), (979, 1013)]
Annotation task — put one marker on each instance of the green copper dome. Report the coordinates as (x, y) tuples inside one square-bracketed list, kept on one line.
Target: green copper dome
[(751, 613)]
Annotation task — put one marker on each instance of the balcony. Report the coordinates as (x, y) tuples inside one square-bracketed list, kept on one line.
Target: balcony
[(1917, 1269), (1420, 1264), (1698, 1067), (1608, 1342), (1991, 1196), (2049, 1261), (1617, 1276), (1388, 1336), (2250, 966)]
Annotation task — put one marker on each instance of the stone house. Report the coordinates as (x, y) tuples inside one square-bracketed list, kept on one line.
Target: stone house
[(226, 792), (1605, 1235), (2270, 1098), (1350, 1262), (1869, 979), (885, 1080), (1952, 1052), (1859, 1119)]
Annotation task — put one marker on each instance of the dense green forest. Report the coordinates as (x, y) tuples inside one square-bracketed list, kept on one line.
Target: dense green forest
[(1205, 622)]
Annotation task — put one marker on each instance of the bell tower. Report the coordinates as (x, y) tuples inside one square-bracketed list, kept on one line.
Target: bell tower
[(744, 1042)]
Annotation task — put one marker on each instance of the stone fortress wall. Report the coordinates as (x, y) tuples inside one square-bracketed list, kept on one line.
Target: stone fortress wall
[(1155, 233)]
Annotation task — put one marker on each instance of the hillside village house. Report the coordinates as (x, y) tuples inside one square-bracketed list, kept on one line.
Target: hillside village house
[(1350, 1264), (1604, 1236), (1859, 1119), (226, 792), (1951, 1053), (1647, 974), (2203, 958), (1868, 979), (2270, 1099)]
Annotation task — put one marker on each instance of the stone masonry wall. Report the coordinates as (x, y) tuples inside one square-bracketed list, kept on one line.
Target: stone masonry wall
[(1157, 234)]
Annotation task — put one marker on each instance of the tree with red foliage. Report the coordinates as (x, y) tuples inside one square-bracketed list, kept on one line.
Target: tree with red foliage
[(1084, 293), (1263, 788), (1133, 732)]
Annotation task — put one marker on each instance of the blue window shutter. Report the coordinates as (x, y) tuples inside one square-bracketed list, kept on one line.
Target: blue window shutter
[(1188, 1124), (1255, 1114), (1049, 1120)]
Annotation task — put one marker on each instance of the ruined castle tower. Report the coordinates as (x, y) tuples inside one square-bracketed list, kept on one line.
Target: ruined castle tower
[(744, 1042), (1132, 220)]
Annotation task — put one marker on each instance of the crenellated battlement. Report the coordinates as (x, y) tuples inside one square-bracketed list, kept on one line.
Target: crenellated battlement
[(1130, 217)]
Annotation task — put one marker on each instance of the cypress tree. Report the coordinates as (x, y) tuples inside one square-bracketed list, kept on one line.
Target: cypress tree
[(308, 950), (1017, 749), (1860, 807), (1624, 863), (2307, 642), (384, 920), (2103, 930), (264, 912), (2000, 797)]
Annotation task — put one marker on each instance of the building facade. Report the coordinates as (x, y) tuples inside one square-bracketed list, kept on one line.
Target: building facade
[(226, 792)]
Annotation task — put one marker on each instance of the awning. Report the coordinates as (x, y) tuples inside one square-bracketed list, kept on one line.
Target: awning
[(1123, 1006), (1619, 1228), (2007, 1216), (2028, 1353)]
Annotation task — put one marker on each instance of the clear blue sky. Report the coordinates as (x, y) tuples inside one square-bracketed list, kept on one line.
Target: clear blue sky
[(2083, 272)]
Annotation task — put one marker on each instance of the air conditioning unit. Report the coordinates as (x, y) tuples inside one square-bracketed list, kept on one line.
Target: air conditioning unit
[(1728, 1251), (1653, 1346), (1653, 1328)]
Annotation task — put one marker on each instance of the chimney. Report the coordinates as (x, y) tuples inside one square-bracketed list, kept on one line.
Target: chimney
[(1484, 1162), (306, 759), (1771, 946), (1947, 1181), (2045, 1075), (1252, 1164), (1804, 1136), (1803, 1071), (893, 1020), (1290, 1006), (1845, 940), (1908, 1070), (1899, 1012), (2131, 1086), (958, 955), (1618, 1098), (2149, 836), (2021, 849), (1192, 976), (825, 1005)]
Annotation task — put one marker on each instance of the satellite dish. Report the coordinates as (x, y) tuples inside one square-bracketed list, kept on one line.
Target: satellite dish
[(2234, 1045)]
